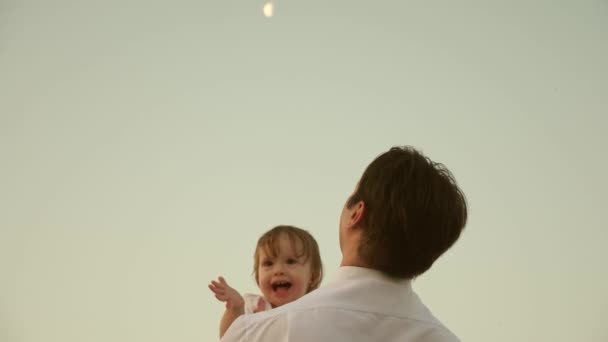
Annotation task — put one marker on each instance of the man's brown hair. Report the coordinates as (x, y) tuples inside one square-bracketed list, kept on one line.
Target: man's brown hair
[(414, 212)]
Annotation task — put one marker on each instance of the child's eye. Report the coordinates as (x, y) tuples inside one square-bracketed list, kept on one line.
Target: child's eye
[(292, 261), (267, 263)]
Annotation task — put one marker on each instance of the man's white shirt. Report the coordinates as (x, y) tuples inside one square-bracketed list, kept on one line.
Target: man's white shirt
[(357, 305)]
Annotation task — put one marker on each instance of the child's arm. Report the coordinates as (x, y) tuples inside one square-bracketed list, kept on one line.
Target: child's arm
[(227, 319), (235, 304)]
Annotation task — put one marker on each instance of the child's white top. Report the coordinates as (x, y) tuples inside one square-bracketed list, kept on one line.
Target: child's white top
[(251, 302)]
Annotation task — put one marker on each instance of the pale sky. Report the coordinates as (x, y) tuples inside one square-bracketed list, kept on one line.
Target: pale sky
[(145, 146)]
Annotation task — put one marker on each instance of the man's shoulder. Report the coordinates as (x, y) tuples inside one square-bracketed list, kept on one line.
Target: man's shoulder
[(442, 334), (328, 323), (270, 317), (363, 308), (262, 326)]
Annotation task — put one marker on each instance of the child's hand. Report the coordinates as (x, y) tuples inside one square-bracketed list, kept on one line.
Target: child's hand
[(224, 293)]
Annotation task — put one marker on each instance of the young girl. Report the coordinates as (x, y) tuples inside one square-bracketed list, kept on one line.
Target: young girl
[(287, 265)]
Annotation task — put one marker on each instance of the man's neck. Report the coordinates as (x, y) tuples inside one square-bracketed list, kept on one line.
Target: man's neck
[(350, 252), (352, 261)]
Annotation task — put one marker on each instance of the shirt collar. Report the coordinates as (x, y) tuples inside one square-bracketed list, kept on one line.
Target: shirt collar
[(348, 273)]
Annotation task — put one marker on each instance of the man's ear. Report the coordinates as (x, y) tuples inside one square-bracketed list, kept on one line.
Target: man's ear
[(357, 212)]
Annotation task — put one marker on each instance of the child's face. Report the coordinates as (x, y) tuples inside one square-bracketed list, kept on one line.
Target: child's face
[(285, 277)]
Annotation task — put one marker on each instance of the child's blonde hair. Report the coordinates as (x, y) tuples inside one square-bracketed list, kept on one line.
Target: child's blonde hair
[(269, 242)]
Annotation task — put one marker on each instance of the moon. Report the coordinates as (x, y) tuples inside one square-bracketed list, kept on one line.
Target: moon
[(268, 9)]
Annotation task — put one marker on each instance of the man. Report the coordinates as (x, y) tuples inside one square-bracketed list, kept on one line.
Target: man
[(405, 212)]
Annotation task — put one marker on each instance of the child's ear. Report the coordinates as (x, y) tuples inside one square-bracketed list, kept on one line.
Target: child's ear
[(309, 285), (313, 280)]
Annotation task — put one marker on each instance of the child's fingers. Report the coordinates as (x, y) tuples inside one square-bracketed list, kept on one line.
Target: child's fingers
[(217, 290), (222, 280), (216, 284), (220, 295)]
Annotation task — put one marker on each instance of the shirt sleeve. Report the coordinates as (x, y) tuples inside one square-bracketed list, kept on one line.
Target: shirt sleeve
[(249, 300), (251, 303), (237, 332)]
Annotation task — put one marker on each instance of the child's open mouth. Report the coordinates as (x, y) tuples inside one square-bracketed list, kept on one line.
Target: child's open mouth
[(281, 286)]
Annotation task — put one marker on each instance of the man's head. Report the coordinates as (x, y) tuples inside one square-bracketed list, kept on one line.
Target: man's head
[(405, 212)]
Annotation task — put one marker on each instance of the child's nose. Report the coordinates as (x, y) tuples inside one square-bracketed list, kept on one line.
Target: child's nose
[(278, 269)]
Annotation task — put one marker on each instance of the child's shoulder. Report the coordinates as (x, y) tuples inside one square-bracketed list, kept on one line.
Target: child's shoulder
[(251, 302)]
